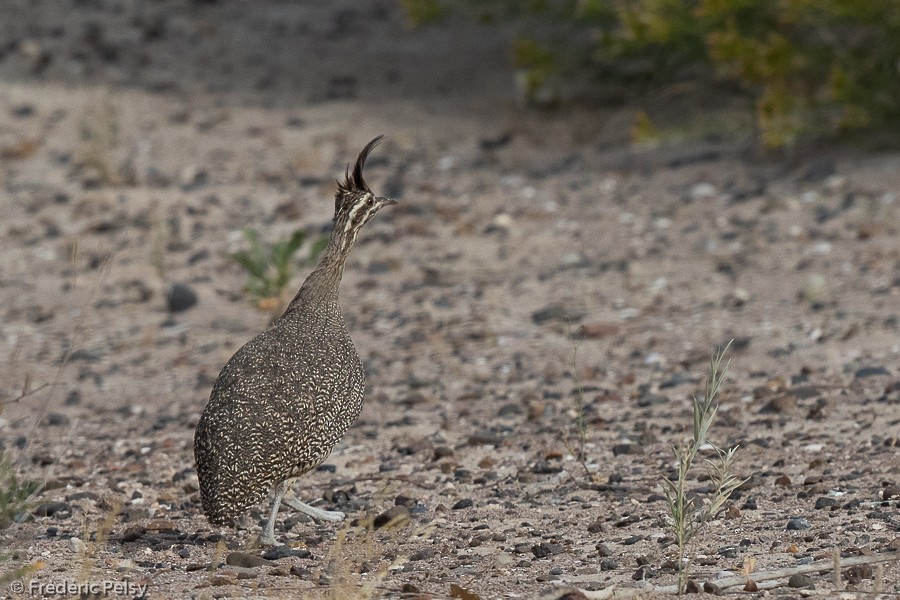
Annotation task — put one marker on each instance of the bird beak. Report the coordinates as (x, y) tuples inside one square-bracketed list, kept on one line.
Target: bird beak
[(387, 201)]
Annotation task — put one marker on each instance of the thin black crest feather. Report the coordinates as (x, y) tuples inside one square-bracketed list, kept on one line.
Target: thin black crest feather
[(354, 182)]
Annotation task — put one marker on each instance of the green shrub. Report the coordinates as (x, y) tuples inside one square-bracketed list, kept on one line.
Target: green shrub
[(15, 494), (270, 267), (812, 68)]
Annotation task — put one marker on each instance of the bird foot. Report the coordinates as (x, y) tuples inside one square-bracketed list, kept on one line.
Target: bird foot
[(316, 513), (267, 538)]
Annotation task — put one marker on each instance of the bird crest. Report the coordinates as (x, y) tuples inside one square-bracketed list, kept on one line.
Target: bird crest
[(353, 183)]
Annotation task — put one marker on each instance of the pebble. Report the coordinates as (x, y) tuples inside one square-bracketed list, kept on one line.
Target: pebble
[(77, 545), (728, 551), (464, 503), (556, 571), (542, 467), (396, 516), (442, 452), (247, 561), (541, 550), (284, 551), (798, 580), (890, 491), (797, 524), (643, 572), (557, 312), (301, 572), (485, 438), (609, 564), (180, 297), (871, 372), (596, 527), (619, 449), (857, 573), (49, 509), (825, 502), (424, 554)]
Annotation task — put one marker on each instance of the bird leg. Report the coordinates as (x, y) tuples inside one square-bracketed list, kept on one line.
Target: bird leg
[(267, 537), (284, 494), (316, 513)]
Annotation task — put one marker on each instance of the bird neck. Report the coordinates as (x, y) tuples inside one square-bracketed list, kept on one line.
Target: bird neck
[(321, 286)]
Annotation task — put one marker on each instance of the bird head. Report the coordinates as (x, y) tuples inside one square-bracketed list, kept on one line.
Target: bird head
[(354, 203)]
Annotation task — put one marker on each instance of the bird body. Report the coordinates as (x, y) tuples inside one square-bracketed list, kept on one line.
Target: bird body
[(287, 396)]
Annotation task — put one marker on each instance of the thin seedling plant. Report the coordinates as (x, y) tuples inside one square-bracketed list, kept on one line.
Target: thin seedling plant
[(687, 515)]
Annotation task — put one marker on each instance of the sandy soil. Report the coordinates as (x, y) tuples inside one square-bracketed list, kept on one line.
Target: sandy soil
[(532, 255)]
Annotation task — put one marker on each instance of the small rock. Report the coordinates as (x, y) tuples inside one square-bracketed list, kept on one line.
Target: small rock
[(424, 554), (557, 312), (891, 491), (49, 509), (779, 405), (556, 571), (485, 438), (595, 331), (643, 572), (619, 449), (193, 177), (57, 419), (728, 551), (247, 561), (857, 573), (609, 564), (283, 551), (541, 550), (604, 550), (180, 297), (301, 572), (783, 481), (542, 467), (628, 520), (702, 191), (710, 588), (825, 502), (596, 526), (396, 516), (464, 503), (798, 580), (442, 452), (871, 372), (77, 545), (133, 533), (797, 524)]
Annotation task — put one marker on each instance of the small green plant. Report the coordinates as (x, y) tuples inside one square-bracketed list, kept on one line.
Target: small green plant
[(687, 515), (580, 452), (15, 493), (269, 268)]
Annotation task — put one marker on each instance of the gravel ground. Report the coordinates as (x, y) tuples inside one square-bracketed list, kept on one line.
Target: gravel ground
[(532, 255)]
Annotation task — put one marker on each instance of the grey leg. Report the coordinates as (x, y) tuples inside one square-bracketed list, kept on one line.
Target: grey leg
[(316, 513), (267, 537)]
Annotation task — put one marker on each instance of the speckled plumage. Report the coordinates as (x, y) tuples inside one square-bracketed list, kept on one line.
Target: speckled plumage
[(287, 396)]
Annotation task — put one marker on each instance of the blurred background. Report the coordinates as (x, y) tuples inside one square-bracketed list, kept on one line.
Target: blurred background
[(782, 71), (593, 195)]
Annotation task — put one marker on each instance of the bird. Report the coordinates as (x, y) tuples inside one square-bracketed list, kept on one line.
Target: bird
[(286, 397)]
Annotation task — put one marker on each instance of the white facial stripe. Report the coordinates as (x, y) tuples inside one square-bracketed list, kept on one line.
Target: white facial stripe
[(360, 205)]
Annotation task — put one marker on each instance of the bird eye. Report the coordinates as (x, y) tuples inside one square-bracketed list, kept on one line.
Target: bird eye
[(370, 200)]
